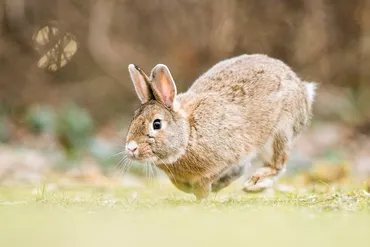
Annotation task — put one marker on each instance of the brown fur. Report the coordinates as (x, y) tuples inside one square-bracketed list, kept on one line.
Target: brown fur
[(243, 105)]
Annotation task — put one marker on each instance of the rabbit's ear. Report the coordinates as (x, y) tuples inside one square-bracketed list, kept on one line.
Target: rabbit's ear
[(141, 83), (163, 86)]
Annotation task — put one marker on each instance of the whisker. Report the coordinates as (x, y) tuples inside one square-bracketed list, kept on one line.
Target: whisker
[(119, 153), (117, 167), (122, 168), (120, 145), (146, 171), (127, 166), (152, 166), (151, 170), (155, 168), (121, 161), (173, 176), (124, 165)]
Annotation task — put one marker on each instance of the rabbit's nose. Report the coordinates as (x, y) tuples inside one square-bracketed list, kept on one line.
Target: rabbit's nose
[(132, 148)]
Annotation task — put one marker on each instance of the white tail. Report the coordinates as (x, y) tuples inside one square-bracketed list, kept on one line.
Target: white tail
[(311, 91)]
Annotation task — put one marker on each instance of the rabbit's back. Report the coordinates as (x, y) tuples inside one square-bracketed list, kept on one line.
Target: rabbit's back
[(245, 76), (263, 91)]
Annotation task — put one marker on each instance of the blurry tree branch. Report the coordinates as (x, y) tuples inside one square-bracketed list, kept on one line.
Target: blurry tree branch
[(17, 22), (100, 44)]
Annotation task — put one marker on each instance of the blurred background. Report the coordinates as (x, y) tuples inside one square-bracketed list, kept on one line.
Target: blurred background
[(66, 98)]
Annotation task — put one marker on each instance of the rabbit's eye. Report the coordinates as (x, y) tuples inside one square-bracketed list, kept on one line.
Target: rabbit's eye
[(157, 124)]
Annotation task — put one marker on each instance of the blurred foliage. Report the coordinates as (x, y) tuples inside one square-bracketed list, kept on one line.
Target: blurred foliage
[(65, 137), (74, 129), (4, 129), (104, 151), (41, 119)]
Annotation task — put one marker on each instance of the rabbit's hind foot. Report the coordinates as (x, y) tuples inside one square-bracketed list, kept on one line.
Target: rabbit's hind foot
[(264, 178), (274, 155)]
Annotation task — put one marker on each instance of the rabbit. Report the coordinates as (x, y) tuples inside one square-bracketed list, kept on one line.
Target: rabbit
[(246, 107)]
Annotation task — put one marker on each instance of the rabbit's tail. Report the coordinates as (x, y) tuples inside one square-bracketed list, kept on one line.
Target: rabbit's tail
[(311, 91)]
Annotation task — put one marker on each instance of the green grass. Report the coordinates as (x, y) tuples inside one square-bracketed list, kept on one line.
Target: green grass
[(154, 216)]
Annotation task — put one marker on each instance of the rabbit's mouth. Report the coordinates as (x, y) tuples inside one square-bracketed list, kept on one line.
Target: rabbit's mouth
[(155, 159), (140, 152), (145, 154)]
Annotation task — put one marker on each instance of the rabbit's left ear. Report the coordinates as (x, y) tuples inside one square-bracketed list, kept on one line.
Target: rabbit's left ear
[(141, 83), (163, 85)]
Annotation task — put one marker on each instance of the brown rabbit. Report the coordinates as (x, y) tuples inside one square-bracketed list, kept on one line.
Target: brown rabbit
[(247, 106)]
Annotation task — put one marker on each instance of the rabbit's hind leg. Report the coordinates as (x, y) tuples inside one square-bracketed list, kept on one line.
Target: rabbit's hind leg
[(274, 156)]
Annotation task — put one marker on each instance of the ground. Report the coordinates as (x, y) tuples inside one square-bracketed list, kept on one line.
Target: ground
[(159, 215)]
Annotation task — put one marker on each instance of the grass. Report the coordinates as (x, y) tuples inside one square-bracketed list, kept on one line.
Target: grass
[(162, 216)]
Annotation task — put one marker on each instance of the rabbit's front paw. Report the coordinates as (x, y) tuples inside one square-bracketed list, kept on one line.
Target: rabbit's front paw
[(201, 191)]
